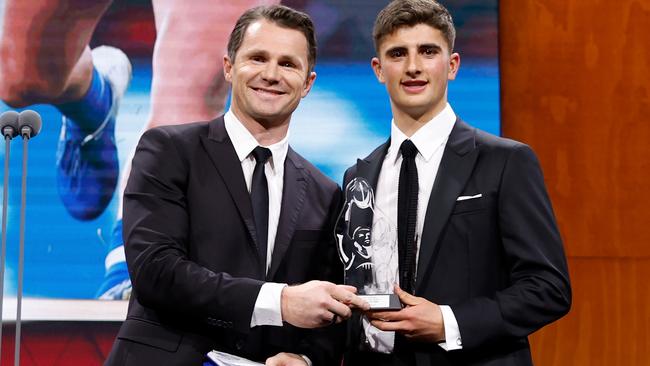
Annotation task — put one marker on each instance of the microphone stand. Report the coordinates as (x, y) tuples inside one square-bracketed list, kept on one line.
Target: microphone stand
[(9, 131), (21, 255), (29, 123), (3, 254)]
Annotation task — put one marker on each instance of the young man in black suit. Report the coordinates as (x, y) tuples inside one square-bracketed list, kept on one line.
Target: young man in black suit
[(220, 216), (477, 253)]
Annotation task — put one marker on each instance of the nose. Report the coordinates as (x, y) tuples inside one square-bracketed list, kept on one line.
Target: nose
[(270, 73), (413, 66)]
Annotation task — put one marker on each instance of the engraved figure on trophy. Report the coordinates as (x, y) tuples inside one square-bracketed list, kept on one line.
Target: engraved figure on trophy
[(369, 261)]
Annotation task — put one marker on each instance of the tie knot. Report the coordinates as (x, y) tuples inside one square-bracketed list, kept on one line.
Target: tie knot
[(261, 154), (408, 149)]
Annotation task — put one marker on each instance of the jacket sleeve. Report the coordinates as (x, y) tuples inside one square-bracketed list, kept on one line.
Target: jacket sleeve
[(538, 290), (156, 225), (324, 346)]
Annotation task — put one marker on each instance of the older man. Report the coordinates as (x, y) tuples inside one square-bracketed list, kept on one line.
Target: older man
[(220, 216)]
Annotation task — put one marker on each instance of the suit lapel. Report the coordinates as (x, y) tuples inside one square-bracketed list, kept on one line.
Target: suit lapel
[(294, 191), (370, 167), (296, 179), (456, 166), (223, 156)]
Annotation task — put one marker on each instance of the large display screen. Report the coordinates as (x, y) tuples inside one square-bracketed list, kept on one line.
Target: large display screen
[(346, 115)]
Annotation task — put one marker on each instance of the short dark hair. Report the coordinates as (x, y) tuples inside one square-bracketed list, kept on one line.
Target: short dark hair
[(282, 16), (409, 13)]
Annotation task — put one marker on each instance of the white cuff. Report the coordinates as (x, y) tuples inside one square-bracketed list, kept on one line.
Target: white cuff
[(307, 360), (268, 306), (452, 332)]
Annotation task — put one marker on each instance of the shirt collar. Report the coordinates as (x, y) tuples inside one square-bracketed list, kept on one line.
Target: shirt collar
[(427, 139), (244, 142)]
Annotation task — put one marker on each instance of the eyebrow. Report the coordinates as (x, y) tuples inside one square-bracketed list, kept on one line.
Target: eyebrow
[(419, 47), (256, 51), (430, 45), (293, 59), (265, 53)]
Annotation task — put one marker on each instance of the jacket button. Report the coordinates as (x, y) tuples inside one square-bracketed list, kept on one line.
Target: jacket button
[(239, 345)]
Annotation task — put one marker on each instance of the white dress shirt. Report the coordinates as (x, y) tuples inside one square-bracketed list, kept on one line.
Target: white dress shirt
[(430, 140), (268, 306)]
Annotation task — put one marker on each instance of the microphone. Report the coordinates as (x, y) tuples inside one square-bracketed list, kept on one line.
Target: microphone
[(29, 123), (9, 124), (9, 128)]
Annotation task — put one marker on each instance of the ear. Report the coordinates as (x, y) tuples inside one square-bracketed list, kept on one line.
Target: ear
[(227, 68), (308, 84), (376, 67), (454, 65)]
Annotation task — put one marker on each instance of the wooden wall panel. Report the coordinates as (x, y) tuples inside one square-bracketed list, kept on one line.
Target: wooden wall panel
[(575, 85), (609, 323)]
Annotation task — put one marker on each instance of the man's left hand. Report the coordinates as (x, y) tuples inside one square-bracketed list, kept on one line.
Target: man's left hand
[(286, 359), (419, 320)]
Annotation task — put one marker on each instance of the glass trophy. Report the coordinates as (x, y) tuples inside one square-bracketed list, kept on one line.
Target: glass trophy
[(367, 247)]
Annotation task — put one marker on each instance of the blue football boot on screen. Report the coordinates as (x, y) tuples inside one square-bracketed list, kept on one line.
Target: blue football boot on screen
[(116, 284), (86, 159)]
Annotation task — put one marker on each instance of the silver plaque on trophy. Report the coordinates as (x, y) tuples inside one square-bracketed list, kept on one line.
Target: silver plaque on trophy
[(367, 247)]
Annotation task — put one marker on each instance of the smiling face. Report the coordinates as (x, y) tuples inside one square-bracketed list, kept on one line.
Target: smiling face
[(269, 75), (415, 65)]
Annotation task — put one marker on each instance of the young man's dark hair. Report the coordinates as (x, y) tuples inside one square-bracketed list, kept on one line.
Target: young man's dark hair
[(407, 13), (280, 15)]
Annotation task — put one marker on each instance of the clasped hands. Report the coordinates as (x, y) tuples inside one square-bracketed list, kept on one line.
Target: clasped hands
[(317, 303)]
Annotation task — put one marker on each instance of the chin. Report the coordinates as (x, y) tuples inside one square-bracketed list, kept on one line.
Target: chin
[(267, 112), (416, 106), (269, 116)]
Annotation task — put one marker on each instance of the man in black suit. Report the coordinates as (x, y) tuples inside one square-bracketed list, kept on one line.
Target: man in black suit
[(208, 260), (479, 259)]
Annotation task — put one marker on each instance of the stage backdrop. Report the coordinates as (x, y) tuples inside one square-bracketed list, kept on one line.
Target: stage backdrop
[(345, 116)]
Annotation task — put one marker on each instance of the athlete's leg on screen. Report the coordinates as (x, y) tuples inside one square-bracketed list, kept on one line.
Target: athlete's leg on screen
[(45, 58), (187, 86), (183, 91)]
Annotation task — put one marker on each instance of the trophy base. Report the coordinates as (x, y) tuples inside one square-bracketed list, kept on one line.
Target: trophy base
[(382, 301)]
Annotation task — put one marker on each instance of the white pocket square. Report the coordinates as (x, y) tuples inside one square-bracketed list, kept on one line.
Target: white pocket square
[(465, 198)]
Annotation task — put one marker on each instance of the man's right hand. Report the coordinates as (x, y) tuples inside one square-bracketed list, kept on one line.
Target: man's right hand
[(317, 303)]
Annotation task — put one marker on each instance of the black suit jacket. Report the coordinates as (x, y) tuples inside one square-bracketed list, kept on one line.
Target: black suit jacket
[(192, 253), (497, 260)]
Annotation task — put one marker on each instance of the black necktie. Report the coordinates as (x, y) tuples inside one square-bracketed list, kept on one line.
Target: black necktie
[(407, 212), (260, 201)]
